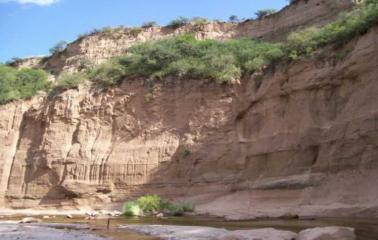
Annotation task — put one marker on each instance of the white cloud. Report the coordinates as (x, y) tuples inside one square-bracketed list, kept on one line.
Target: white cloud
[(37, 2)]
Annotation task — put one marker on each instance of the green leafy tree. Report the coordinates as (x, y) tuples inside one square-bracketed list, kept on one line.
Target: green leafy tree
[(199, 21), (233, 19), (67, 81), (149, 24), (20, 83), (178, 22), (260, 14), (184, 57), (59, 47)]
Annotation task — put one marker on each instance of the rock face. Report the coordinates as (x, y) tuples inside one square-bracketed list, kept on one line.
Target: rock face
[(102, 45), (327, 233), (298, 140)]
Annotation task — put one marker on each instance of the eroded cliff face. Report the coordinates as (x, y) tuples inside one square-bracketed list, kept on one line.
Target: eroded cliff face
[(298, 140), (98, 47)]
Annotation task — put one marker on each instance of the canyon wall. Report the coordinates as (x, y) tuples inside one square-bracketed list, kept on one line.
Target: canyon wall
[(299, 140)]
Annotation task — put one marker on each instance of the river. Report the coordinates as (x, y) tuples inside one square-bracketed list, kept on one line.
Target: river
[(366, 229)]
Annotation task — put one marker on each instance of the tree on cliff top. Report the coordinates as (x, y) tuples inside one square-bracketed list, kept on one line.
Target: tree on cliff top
[(59, 47), (260, 14)]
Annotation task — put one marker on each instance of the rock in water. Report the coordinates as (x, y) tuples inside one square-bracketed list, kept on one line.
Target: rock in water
[(30, 220), (327, 233), (202, 233), (259, 234), (178, 232)]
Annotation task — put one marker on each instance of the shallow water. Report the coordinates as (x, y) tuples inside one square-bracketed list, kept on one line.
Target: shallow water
[(366, 229)]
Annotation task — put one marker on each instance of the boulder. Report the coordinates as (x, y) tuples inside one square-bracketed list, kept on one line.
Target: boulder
[(115, 213), (30, 220), (259, 234), (327, 233), (92, 214)]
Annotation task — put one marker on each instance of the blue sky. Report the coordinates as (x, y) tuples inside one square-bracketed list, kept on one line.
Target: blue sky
[(31, 27)]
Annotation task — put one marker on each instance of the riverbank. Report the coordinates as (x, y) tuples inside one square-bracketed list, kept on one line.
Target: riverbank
[(365, 229), (15, 231)]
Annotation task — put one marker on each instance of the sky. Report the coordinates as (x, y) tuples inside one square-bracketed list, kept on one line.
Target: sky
[(32, 27)]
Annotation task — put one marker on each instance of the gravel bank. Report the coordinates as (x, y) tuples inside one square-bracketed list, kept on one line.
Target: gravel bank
[(14, 231)]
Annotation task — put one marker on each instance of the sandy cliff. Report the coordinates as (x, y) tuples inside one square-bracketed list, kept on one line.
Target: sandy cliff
[(300, 140)]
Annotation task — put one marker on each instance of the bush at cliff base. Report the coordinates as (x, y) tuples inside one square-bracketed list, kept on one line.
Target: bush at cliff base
[(149, 205), (131, 209)]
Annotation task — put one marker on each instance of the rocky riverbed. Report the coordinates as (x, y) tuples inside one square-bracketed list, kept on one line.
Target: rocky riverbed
[(167, 232), (16, 231), (182, 228)]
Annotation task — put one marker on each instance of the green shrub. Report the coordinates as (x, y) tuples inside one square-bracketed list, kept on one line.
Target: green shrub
[(59, 47), (67, 81), (107, 30), (151, 204), (135, 31), (82, 35), (302, 43), (20, 84), (345, 28), (84, 63), (228, 60), (149, 24), (187, 207), (172, 209), (107, 74), (260, 14), (178, 22), (186, 57), (233, 19), (199, 21), (131, 209)]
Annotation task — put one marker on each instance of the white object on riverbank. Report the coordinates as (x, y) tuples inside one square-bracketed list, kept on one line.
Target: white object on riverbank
[(30, 220), (329, 233)]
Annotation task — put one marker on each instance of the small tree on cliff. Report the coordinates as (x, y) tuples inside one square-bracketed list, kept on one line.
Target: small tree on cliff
[(59, 47), (260, 14), (233, 19)]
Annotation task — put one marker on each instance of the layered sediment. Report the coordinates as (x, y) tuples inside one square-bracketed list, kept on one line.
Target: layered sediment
[(300, 139)]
